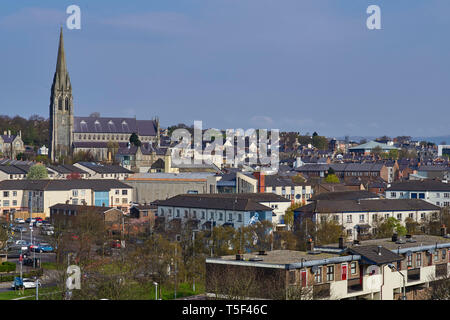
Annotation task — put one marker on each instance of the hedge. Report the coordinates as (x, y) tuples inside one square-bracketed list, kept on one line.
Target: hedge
[(7, 266)]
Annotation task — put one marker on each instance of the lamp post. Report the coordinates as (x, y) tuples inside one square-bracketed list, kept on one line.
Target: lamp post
[(156, 290), (394, 268)]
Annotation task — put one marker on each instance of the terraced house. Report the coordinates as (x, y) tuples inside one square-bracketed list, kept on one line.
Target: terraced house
[(36, 196), (359, 218), (383, 269), (432, 191)]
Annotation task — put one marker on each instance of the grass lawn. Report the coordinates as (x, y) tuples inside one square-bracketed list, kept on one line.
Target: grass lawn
[(43, 294), (147, 292), (49, 265)]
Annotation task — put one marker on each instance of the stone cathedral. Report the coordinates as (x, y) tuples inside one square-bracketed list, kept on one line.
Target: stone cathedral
[(69, 134)]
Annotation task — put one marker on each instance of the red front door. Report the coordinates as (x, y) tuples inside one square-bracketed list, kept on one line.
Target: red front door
[(303, 278), (344, 271)]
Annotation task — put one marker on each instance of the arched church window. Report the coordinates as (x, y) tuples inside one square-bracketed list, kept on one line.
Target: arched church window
[(67, 104), (60, 103)]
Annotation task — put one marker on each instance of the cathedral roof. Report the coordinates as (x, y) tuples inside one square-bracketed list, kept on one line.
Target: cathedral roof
[(114, 125)]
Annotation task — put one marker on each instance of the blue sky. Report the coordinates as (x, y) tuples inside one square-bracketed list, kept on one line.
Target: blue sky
[(300, 65)]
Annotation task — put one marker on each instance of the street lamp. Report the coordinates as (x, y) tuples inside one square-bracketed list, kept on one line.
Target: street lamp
[(156, 290), (394, 268)]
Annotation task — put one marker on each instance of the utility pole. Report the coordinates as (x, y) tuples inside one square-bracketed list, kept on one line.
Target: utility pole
[(193, 255), (175, 291)]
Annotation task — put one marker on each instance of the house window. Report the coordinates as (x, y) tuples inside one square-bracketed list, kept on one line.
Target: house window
[(239, 217), (230, 217), (349, 218), (124, 200), (349, 232), (211, 216), (361, 218), (336, 217), (411, 215), (323, 219), (318, 275), (74, 193), (418, 260), (75, 201), (386, 216), (444, 253), (162, 212), (399, 216), (330, 273), (292, 277), (117, 192), (124, 192), (186, 213), (14, 202), (393, 195), (353, 268), (14, 193), (178, 213), (5, 194), (6, 203), (203, 214), (220, 216), (436, 256), (409, 261)]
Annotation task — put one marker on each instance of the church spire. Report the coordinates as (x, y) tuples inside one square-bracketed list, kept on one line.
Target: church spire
[(61, 68)]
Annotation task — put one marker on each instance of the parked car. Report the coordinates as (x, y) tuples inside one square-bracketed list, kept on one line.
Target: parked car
[(47, 232), (116, 244), (26, 283), (30, 220), (39, 219), (32, 247), (43, 247), (22, 244), (19, 220)]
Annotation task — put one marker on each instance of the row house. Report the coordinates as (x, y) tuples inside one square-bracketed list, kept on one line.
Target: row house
[(360, 218), (432, 191), (37, 196), (370, 270), (207, 210)]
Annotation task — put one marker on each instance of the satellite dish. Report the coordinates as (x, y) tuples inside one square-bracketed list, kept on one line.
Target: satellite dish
[(372, 270), (408, 253), (314, 269)]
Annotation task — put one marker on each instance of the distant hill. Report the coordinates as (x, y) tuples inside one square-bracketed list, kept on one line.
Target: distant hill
[(436, 140)]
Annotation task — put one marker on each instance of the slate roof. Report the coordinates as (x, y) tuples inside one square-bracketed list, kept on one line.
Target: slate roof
[(80, 208), (417, 185), (8, 138), (345, 195), (342, 167), (11, 169), (280, 181), (214, 201), (66, 169), (54, 185), (375, 205), (114, 125), (375, 255), (104, 168)]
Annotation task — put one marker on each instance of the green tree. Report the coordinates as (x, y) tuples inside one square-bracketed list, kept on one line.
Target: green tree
[(320, 142), (134, 139), (328, 232), (393, 154), (289, 215), (37, 172), (332, 178), (386, 227)]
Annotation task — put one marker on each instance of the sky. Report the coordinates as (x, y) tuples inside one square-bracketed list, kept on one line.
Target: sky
[(293, 65)]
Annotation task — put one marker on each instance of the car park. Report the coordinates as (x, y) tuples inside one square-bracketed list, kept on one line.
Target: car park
[(42, 247), (26, 283)]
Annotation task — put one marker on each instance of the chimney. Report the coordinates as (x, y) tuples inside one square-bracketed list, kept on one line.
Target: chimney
[(310, 245), (341, 243), (261, 181), (379, 250), (394, 237)]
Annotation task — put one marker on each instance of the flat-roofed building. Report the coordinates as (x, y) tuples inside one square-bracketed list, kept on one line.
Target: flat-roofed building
[(369, 270)]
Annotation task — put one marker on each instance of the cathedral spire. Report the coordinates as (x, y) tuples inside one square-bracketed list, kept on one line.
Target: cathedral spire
[(61, 68)]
